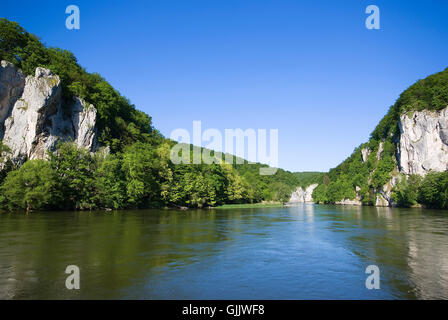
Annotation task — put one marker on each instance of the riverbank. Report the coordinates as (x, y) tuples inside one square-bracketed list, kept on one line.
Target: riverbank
[(250, 205)]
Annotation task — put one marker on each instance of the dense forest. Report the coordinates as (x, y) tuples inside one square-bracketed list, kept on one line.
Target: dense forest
[(137, 173), (363, 178)]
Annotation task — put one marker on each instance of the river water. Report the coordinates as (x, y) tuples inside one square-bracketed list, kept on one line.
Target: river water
[(303, 252)]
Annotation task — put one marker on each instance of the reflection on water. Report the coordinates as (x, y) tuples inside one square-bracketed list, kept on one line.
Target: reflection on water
[(303, 252)]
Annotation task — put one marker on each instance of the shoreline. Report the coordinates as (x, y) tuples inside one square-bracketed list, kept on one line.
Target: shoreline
[(220, 207)]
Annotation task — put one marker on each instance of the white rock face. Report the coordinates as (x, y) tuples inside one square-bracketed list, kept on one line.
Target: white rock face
[(365, 154), (351, 202), (384, 196), (12, 82), (423, 142), (381, 201), (300, 195), (36, 119), (380, 151), (83, 118)]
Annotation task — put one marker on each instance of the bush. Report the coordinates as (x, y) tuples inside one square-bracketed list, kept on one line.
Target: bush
[(34, 186), (433, 191), (405, 193), (75, 167)]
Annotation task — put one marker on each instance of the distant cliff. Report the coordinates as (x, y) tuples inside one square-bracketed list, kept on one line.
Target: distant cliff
[(302, 195), (34, 117), (412, 139)]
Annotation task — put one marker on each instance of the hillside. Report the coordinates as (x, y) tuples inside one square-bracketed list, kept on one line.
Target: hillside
[(307, 178), (119, 123), (408, 144), (69, 140)]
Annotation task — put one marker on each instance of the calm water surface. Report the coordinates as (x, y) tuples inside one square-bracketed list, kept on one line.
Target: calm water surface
[(305, 252)]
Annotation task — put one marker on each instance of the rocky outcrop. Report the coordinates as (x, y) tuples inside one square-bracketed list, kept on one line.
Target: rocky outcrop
[(352, 202), (34, 117), (384, 195), (12, 82), (83, 120), (423, 142), (365, 152), (301, 196), (379, 153), (381, 201)]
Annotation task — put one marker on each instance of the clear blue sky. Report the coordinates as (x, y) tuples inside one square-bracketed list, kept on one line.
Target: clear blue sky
[(309, 68)]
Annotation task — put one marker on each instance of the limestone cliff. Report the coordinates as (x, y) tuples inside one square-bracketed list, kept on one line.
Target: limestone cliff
[(352, 202), (423, 142), (421, 146), (34, 117), (301, 195)]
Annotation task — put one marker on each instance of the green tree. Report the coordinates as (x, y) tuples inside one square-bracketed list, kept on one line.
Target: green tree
[(433, 191), (75, 168), (405, 193), (110, 184), (34, 186), (146, 170)]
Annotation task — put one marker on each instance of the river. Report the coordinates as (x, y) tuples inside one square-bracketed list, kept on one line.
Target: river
[(303, 252)]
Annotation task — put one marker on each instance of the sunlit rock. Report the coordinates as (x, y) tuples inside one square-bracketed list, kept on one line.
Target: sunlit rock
[(300, 195), (35, 118), (423, 142)]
